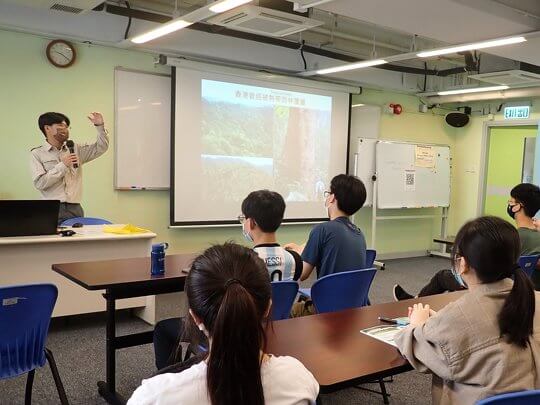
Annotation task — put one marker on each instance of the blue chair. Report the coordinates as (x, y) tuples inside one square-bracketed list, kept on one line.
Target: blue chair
[(85, 221), (528, 263), (27, 309), (371, 254), (513, 398), (338, 291), (305, 293), (283, 295)]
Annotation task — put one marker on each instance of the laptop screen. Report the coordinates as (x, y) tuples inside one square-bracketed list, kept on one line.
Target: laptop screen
[(28, 217)]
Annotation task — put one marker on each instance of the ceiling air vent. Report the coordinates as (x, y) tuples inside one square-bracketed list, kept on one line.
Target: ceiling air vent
[(66, 9), (264, 21), (509, 78), (63, 6)]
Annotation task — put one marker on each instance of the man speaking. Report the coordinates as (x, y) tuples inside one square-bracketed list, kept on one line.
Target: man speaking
[(56, 165)]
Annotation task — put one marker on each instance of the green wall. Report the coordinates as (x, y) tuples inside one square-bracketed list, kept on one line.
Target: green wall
[(504, 167), (32, 86), (466, 192)]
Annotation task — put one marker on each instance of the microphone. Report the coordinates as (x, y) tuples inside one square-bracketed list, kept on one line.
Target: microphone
[(71, 147)]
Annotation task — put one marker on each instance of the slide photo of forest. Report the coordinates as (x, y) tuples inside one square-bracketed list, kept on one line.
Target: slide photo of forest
[(257, 137)]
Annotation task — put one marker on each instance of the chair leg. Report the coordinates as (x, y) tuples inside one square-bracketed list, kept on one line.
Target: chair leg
[(29, 384), (383, 391), (56, 376)]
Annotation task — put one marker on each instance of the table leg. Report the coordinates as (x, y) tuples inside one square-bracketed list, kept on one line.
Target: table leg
[(108, 389)]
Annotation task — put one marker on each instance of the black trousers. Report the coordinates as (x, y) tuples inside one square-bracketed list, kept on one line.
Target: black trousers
[(69, 210), (167, 335), (441, 282)]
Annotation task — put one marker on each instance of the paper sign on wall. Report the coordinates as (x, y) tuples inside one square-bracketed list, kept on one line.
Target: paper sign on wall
[(424, 156), (410, 180)]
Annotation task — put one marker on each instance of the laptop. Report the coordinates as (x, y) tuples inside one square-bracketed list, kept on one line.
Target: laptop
[(28, 217)]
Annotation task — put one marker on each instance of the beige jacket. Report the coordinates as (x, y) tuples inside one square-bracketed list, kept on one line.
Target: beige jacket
[(461, 346)]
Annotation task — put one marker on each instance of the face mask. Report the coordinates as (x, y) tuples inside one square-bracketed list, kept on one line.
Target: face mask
[(327, 208), (246, 234), (510, 212), (458, 277)]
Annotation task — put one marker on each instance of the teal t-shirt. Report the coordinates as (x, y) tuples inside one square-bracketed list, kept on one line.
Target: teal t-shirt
[(530, 241), (530, 245)]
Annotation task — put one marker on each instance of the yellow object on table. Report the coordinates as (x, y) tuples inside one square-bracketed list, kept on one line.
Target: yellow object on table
[(124, 229)]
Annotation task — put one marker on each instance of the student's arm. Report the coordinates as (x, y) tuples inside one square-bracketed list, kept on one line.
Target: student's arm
[(421, 346), (44, 179), (306, 271), (298, 264), (90, 152), (312, 251)]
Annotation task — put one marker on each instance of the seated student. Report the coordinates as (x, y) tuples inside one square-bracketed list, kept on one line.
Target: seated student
[(337, 245), (488, 341), (229, 298), (523, 204), (262, 213)]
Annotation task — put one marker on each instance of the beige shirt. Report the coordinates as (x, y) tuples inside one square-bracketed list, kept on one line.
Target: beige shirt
[(461, 346), (53, 178)]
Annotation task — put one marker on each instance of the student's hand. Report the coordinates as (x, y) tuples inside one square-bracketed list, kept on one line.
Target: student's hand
[(419, 314), (536, 223), (70, 159), (96, 118), (297, 248)]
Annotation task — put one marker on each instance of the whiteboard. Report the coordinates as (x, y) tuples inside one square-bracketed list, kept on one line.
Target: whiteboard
[(143, 130), (412, 175)]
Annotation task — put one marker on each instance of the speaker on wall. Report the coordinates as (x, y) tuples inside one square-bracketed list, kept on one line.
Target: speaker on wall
[(457, 119)]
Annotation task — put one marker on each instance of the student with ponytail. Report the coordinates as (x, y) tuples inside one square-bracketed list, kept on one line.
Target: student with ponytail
[(487, 341), (229, 296)]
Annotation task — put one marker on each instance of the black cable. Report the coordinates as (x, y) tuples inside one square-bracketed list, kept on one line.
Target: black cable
[(129, 21), (425, 76), (302, 54)]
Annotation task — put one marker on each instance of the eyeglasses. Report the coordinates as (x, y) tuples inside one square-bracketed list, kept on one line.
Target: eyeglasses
[(327, 193), (241, 218)]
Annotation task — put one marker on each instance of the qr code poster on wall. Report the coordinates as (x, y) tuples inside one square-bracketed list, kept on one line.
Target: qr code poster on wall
[(410, 180)]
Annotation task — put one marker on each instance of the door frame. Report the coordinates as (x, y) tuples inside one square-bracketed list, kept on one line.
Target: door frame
[(484, 158)]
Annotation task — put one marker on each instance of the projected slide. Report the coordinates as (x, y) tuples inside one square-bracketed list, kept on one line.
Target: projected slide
[(236, 132), (255, 137)]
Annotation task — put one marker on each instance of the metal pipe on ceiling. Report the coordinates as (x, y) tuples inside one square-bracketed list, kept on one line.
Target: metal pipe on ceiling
[(212, 29)]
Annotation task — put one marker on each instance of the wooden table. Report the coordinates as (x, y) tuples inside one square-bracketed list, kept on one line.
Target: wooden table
[(124, 278), (339, 356)]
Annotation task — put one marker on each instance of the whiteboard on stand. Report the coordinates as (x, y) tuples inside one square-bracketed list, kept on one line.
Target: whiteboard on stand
[(412, 175), (142, 130)]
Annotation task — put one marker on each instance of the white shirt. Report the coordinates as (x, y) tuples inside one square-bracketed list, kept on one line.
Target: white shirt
[(53, 178), (285, 381)]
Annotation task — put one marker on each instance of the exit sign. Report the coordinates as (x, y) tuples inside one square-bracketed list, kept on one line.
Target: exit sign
[(517, 112)]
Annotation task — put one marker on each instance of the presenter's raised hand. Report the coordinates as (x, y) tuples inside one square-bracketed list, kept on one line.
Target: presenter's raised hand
[(96, 118)]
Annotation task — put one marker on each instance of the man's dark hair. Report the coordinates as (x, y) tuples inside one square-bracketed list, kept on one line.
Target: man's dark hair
[(51, 118), (266, 208), (528, 195), (349, 191)]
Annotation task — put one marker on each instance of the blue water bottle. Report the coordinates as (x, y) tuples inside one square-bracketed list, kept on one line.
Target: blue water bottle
[(157, 257)]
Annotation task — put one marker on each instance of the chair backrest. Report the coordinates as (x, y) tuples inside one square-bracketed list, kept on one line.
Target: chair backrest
[(283, 296), (85, 221), (528, 263), (513, 398), (338, 291), (27, 310), (371, 254)]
